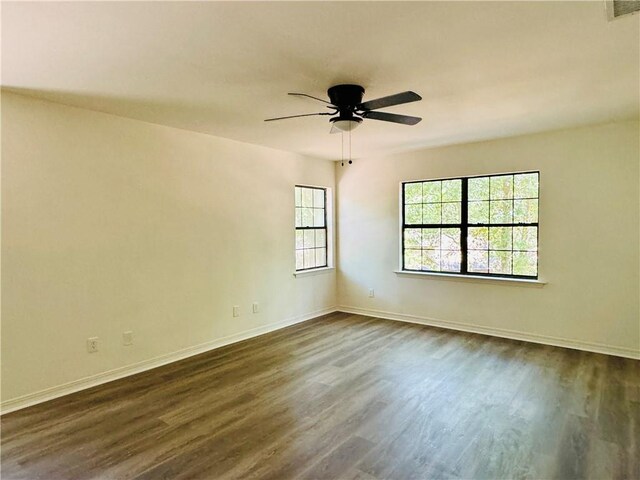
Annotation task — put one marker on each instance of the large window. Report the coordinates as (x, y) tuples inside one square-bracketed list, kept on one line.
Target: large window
[(311, 227), (473, 226)]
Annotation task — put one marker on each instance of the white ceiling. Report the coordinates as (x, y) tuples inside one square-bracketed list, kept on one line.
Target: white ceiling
[(484, 69)]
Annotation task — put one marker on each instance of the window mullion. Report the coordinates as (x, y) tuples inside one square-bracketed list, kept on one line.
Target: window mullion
[(464, 207)]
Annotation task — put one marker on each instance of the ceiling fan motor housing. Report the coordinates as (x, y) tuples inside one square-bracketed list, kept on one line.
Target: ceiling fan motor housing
[(346, 97)]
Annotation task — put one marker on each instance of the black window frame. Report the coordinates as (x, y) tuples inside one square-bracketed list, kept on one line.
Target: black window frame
[(325, 228), (464, 226)]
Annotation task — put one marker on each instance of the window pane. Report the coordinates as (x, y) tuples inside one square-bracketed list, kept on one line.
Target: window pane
[(412, 238), (450, 239), (321, 257), (450, 260), (413, 214), (431, 260), (299, 259), (299, 239), (307, 217), (309, 238), (478, 212), (525, 238), (501, 187), (412, 259), (501, 211), (451, 190), (478, 188), (478, 261), (298, 217), (321, 238), (500, 238), (431, 213), (525, 211), (431, 191), (318, 198), (451, 212), (526, 185), (430, 238), (298, 197), (307, 197), (478, 238), (525, 263), (413, 193), (309, 258), (500, 262), (318, 217)]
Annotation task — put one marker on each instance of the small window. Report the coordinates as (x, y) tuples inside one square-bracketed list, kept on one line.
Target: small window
[(311, 227), (472, 226)]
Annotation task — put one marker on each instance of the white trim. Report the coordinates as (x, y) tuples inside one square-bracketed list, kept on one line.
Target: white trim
[(313, 271), (34, 398), (28, 400), (497, 332), (475, 278)]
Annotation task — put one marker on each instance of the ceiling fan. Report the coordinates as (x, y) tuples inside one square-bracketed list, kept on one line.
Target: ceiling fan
[(348, 109)]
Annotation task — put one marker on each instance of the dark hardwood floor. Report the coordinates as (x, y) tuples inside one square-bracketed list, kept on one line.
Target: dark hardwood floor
[(345, 397)]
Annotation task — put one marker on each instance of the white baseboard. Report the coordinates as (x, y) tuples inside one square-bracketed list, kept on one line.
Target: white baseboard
[(30, 399), (497, 332)]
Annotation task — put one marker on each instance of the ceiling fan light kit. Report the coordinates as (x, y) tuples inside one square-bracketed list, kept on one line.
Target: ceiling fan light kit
[(345, 124)]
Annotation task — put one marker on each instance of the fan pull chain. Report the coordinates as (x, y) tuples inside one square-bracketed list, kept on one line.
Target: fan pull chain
[(342, 148)]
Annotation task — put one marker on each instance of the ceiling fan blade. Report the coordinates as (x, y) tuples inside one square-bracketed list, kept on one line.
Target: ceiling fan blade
[(392, 117), (397, 99), (309, 96), (296, 116), (334, 129)]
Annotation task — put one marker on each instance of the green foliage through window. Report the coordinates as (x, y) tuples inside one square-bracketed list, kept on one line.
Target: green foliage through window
[(475, 225), (311, 227)]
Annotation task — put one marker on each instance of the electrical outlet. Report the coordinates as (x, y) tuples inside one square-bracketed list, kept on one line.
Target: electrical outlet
[(127, 338), (256, 307), (236, 311), (372, 293), (92, 344)]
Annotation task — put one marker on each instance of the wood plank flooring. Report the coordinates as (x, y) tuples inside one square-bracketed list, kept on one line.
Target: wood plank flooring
[(345, 397)]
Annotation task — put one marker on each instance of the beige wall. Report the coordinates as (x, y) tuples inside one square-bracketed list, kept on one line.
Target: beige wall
[(589, 211), (111, 224)]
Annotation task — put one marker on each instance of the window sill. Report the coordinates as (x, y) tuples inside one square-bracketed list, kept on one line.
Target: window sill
[(475, 278), (315, 271)]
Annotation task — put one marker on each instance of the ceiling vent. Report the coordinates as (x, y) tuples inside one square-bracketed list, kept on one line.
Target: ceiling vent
[(618, 8)]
